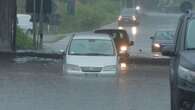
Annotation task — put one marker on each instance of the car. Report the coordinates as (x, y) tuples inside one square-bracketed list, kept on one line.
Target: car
[(122, 41), (128, 17), (161, 39), (91, 54), (182, 66), (24, 22)]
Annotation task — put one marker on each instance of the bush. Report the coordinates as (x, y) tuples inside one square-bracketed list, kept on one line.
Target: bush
[(23, 41)]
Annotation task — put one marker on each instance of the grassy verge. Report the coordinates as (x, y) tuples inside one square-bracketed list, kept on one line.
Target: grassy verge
[(89, 15), (23, 41)]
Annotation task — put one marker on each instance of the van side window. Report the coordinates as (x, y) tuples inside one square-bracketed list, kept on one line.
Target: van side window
[(190, 39), (178, 35)]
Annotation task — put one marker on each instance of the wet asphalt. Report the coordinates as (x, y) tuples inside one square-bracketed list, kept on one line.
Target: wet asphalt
[(42, 86)]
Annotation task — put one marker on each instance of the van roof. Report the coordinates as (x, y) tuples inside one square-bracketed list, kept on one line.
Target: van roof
[(23, 15), (92, 36)]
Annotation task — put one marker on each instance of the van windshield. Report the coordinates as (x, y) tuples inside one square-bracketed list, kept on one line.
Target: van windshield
[(190, 38), (164, 35), (92, 47)]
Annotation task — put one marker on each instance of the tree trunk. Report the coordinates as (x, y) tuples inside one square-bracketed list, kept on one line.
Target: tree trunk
[(7, 25)]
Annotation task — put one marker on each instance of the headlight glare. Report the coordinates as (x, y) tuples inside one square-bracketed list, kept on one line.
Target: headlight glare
[(120, 28), (157, 45), (134, 30), (134, 18), (123, 48), (123, 66), (138, 8), (119, 18)]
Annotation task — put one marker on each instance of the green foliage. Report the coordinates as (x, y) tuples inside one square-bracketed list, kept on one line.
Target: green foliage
[(23, 41), (90, 14)]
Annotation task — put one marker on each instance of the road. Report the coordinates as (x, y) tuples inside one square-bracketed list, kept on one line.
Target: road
[(40, 85), (149, 23)]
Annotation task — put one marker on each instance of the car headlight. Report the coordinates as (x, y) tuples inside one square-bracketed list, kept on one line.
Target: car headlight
[(186, 74), (119, 18), (157, 45), (70, 67), (134, 30), (134, 18), (110, 68), (138, 8), (120, 28), (123, 66), (123, 49)]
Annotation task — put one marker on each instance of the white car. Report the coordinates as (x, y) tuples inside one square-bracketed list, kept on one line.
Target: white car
[(91, 54), (24, 22)]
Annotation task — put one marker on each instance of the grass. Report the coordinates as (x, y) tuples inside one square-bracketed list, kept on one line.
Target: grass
[(23, 41), (89, 15)]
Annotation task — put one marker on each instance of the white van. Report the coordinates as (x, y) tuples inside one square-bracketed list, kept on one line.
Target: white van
[(91, 54), (24, 22)]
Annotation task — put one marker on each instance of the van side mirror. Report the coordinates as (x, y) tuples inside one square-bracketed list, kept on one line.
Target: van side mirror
[(168, 51), (131, 43), (152, 37)]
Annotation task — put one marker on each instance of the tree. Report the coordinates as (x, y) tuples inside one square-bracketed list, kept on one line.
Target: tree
[(47, 6), (71, 7), (8, 25)]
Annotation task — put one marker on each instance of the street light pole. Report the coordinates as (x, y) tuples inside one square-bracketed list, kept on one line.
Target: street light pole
[(34, 24), (41, 25), (14, 26)]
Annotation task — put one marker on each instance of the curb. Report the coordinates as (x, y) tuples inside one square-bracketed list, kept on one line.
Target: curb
[(149, 61), (132, 60), (5, 55)]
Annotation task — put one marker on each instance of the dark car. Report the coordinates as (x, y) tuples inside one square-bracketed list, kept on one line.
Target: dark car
[(182, 70), (161, 39), (128, 17), (121, 40)]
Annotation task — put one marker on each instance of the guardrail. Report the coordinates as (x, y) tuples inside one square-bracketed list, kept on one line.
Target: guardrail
[(149, 61), (30, 54)]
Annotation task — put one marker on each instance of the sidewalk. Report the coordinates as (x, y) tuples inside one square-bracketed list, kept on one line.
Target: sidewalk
[(57, 46), (163, 14)]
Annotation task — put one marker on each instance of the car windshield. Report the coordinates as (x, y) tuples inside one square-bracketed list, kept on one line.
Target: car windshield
[(128, 12), (164, 35), (91, 47), (190, 38)]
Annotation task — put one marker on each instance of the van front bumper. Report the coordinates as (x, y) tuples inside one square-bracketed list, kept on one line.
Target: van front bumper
[(80, 73)]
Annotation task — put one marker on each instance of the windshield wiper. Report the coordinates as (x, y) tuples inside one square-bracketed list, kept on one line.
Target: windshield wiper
[(98, 54), (190, 49), (77, 54), (92, 54)]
